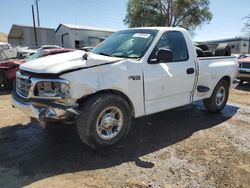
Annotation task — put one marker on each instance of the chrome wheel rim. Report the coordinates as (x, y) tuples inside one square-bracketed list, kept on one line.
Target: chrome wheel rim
[(220, 96), (109, 123)]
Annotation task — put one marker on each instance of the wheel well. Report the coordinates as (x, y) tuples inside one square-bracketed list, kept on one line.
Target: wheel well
[(116, 92), (228, 79)]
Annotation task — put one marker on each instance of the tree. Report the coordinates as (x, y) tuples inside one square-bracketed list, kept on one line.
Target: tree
[(185, 13), (246, 28), (3, 37)]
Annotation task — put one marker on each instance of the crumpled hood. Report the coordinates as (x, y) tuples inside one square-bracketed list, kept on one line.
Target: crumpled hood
[(56, 64)]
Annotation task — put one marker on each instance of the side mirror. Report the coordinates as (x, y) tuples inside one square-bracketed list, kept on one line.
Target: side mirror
[(164, 55)]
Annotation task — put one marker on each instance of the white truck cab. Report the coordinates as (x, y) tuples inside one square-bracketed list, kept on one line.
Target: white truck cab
[(133, 73)]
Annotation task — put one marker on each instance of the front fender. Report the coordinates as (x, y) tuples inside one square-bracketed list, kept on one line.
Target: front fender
[(115, 76)]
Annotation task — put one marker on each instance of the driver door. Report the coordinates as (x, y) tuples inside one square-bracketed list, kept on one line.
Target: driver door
[(169, 84)]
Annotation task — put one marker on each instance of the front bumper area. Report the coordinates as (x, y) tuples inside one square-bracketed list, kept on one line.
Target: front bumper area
[(44, 110), (244, 74), (27, 108)]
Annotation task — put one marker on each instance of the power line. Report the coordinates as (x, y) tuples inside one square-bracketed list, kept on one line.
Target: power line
[(34, 24), (37, 13)]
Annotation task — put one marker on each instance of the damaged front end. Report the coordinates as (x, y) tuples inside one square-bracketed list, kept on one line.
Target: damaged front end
[(44, 99)]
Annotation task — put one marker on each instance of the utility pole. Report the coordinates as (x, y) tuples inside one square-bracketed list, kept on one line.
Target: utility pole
[(34, 24), (37, 13)]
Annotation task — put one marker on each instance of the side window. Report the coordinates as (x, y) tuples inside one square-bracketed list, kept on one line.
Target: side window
[(174, 41)]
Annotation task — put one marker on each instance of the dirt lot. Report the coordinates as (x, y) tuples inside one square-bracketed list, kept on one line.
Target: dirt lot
[(184, 147)]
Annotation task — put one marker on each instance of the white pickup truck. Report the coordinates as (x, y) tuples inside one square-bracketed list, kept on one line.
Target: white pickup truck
[(133, 73)]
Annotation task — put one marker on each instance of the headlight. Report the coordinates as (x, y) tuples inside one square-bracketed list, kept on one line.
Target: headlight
[(52, 89)]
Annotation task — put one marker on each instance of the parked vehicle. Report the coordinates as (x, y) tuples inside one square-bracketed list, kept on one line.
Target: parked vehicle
[(46, 47), (133, 73), (25, 52), (8, 69), (244, 69), (240, 56), (6, 51)]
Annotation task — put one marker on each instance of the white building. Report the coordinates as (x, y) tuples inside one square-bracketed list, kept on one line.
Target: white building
[(76, 36), (22, 35)]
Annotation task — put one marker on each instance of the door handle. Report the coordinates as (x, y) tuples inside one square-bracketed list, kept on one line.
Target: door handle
[(190, 71)]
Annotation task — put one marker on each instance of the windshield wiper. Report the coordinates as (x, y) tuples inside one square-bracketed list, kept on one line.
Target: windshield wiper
[(120, 56), (104, 54)]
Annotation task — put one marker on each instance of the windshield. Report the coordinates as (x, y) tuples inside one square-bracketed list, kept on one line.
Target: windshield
[(128, 44)]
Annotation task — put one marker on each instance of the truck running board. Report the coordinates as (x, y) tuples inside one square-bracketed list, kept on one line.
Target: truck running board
[(202, 89)]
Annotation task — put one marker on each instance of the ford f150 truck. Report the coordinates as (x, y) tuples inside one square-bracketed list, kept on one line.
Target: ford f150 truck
[(133, 73)]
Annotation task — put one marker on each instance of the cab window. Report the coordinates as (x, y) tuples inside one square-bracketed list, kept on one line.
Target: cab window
[(174, 41)]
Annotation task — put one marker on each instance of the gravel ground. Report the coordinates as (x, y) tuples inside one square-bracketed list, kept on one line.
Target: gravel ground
[(184, 147)]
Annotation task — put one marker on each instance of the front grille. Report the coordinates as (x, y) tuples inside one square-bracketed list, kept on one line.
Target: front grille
[(23, 86), (245, 65)]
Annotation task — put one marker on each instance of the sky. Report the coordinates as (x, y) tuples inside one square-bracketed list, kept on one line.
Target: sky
[(226, 23)]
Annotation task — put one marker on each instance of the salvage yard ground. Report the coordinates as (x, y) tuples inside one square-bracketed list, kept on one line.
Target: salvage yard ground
[(184, 147)]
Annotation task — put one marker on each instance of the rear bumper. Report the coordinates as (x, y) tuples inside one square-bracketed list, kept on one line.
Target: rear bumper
[(44, 111)]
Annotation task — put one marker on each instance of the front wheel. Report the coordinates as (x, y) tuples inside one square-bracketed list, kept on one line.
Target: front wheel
[(219, 97), (104, 120)]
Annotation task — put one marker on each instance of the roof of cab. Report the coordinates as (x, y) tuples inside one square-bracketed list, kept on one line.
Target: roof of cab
[(162, 28)]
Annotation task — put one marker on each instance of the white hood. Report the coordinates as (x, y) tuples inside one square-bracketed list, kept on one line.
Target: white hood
[(66, 61)]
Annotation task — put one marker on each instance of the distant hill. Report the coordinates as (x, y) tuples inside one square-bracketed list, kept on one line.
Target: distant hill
[(3, 37)]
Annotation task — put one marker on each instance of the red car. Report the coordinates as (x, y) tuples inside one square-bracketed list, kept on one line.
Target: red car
[(8, 69), (244, 69)]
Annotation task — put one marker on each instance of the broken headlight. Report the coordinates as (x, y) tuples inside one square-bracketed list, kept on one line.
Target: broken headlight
[(52, 89)]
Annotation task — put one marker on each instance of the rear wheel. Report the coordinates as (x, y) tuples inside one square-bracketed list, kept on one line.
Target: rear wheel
[(104, 120), (219, 97)]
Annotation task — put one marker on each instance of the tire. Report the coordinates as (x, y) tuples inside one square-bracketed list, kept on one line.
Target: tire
[(96, 123), (219, 97), (223, 50), (208, 53), (204, 47)]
